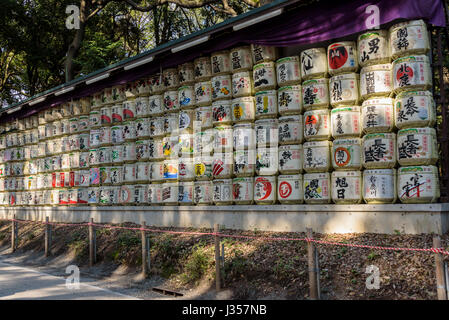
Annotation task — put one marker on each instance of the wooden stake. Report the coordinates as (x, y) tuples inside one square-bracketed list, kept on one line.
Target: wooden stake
[(14, 233), (145, 265), (313, 270), (92, 244), (47, 237), (439, 270), (217, 259)]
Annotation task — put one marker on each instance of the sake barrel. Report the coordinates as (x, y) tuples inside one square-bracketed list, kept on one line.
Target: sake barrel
[(379, 150), (131, 91), (243, 109), (316, 156), (289, 100), (171, 122), (129, 151), (241, 59), (265, 190), (129, 173), (94, 158), (186, 97), (203, 193), (171, 103), (263, 53), (142, 107), (376, 80), (185, 147), (220, 62), (344, 89), (185, 193), (221, 112), (74, 160), (49, 131), (83, 123), (156, 84), (290, 159), (203, 167), (203, 118), (347, 154), (74, 142), (186, 121), (170, 78), (115, 175), (317, 125), (267, 132), (288, 71), (84, 160), (411, 73), (242, 84), (264, 76), (345, 122), (155, 194), (84, 178), (72, 196), (244, 162), (157, 126), (317, 188), (97, 100), (222, 165), (418, 184), (170, 146), (243, 190), (186, 169), (94, 119), (155, 105), (222, 192), (291, 129), (290, 189), (117, 134), (342, 57), (171, 169), (129, 131), (63, 197), (379, 186), (203, 142), (142, 128), (105, 136), (203, 68), (313, 63), (140, 196), (221, 87), (244, 136), (56, 130), (346, 187), (267, 162), (410, 37), (373, 48), (417, 146), (157, 171), (266, 104), (94, 179), (118, 93), (82, 196), (186, 73), (117, 113), (315, 93), (93, 194), (414, 109), (106, 116), (223, 138), (126, 194), (155, 149), (105, 155), (117, 154), (41, 136), (377, 115), (142, 172), (142, 150)]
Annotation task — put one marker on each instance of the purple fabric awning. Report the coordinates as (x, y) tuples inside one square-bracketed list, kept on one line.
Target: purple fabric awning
[(314, 23)]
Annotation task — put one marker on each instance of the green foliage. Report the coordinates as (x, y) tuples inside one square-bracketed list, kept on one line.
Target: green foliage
[(197, 265)]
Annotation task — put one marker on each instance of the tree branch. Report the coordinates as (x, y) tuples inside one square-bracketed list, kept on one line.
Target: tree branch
[(190, 4)]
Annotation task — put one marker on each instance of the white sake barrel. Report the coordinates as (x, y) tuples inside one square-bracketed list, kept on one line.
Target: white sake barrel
[(186, 121), (243, 109), (244, 162), (377, 115), (186, 169), (185, 193), (290, 189), (223, 138), (290, 159), (186, 145), (94, 179), (106, 116), (243, 190), (142, 127), (170, 146), (142, 172), (93, 194), (241, 59), (342, 57), (288, 71), (317, 125), (203, 142), (117, 113), (117, 154), (171, 169), (156, 84), (171, 122), (118, 93), (72, 196), (202, 118), (376, 80), (220, 62), (156, 127), (315, 93), (203, 68), (345, 122), (126, 196), (412, 73), (97, 100), (347, 154), (117, 134), (41, 136), (418, 184), (74, 142), (415, 109), (155, 105), (244, 136), (221, 112), (84, 160), (56, 129), (186, 97), (203, 193), (129, 151), (313, 63), (115, 175), (129, 173), (264, 76), (83, 196), (171, 103), (105, 155), (221, 87), (142, 150), (344, 89), (154, 193), (346, 187), (267, 132), (131, 91), (317, 188), (105, 136), (83, 123), (94, 158), (74, 160), (129, 131), (289, 100), (373, 48), (263, 53), (155, 149), (142, 107), (417, 146), (203, 167), (84, 178), (203, 93), (316, 156), (266, 104), (379, 150), (291, 129), (140, 196), (265, 190), (170, 78), (410, 37), (267, 161), (242, 84), (222, 165), (157, 171), (186, 73), (222, 192), (94, 119), (379, 186)]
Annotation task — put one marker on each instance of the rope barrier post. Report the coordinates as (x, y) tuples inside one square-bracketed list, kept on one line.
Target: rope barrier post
[(14, 233), (313, 266), (439, 270), (47, 237), (446, 276), (92, 243), (145, 251), (217, 258)]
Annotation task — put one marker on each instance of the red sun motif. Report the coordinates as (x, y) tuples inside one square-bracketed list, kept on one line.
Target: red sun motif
[(266, 187), (338, 55), (404, 72), (285, 189), (311, 120)]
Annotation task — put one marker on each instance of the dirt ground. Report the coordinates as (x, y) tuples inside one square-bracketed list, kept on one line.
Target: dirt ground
[(253, 268)]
